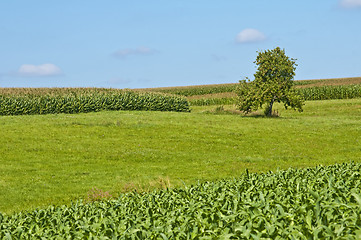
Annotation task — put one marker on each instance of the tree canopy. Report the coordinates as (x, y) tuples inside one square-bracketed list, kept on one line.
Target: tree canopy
[(273, 82)]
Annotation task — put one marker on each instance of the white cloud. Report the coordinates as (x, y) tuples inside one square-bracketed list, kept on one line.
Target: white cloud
[(47, 69), (136, 51), (250, 35), (350, 3)]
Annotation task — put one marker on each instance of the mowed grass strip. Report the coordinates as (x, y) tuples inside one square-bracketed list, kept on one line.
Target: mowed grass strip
[(54, 159)]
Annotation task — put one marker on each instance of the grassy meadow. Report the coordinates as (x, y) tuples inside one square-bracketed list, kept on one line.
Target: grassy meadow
[(58, 158)]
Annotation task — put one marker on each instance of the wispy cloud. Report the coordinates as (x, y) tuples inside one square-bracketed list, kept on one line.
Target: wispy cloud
[(250, 35), (117, 80), (218, 58), (43, 70), (126, 82), (350, 3), (123, 53)]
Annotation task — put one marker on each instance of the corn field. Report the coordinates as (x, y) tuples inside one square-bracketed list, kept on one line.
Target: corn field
[(52, 101), (331, 92), (312, 203), (76, 100), (309, 94), (196, 90), (213, 101), (231, 87)]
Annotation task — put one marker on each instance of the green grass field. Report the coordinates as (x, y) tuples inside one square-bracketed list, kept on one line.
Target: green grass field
[(54, 159)]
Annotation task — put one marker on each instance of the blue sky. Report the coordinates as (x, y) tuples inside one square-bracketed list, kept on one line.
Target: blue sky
[(142, 43)]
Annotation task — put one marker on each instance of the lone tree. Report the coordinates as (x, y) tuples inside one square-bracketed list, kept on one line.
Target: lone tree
[(272, 83)]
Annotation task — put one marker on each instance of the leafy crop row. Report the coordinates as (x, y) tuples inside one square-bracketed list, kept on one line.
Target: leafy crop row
[(212, 101), (42, 101), (89, 102), (198, 90), (309, 94), (312, 203), (56, 91), (331, 92), (332, 81), (223, 88), (211, 89)]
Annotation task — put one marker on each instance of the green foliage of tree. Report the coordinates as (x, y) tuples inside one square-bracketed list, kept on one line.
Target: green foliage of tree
[(273, 82)]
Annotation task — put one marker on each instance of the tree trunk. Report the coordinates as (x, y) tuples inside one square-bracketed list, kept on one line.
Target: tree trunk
[(269, 110)]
